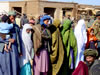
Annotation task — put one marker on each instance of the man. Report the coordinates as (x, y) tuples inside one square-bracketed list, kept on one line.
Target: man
[(10, 64), (91, 61)]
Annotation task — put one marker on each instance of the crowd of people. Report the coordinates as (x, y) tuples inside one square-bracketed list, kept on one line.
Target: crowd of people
[(48, 46)]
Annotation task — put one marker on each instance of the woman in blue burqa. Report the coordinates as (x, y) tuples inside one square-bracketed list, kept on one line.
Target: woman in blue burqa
[(9, 64)]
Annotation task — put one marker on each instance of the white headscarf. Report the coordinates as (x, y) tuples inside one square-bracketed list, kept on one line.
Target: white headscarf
[(80, 32), (27, 42)]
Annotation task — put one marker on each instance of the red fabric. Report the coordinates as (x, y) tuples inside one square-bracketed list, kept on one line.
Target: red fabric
[(82, 69)]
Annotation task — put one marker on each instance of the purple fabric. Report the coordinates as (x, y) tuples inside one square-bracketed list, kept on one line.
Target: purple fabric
[(92, 45), (41, 62), (72, 57)]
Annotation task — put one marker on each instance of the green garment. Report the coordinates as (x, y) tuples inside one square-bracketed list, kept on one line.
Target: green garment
[(69, 41), (57, 53)]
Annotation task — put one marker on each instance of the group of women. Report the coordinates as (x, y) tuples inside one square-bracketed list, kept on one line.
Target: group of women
[(43, 49)]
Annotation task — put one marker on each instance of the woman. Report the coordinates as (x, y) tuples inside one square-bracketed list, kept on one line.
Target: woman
[(70, 46), (81, 36), (10, 64), (27, 50), (41, 59), (57, 52)]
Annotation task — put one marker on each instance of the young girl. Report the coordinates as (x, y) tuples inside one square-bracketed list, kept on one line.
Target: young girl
[(92, 40)]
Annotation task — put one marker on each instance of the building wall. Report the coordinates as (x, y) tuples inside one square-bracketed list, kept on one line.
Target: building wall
[(4, 7), (36, 7), (58, 6), (28, 7)]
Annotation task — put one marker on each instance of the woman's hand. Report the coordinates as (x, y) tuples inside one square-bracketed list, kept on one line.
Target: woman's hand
[(12, 40)]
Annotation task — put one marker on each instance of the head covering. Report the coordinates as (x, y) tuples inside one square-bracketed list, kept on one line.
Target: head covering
[(66, 26), (91, 52), (56, 22), (89, 30), (81, 37), (98, 14), (28, 45), (13, 13), (80, 32), (45, 17), (69, 41)]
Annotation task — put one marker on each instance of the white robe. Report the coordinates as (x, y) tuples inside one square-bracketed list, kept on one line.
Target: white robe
[(81, 36), (27, 46)]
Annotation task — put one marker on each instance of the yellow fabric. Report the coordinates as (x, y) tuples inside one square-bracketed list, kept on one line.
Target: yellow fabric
[(57, 55), (18, 22)]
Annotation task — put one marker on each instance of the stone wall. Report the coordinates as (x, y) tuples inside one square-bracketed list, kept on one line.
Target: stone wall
[(36, 7)]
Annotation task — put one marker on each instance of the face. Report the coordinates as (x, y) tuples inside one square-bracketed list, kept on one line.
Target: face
[(28, 30), (12, 19), (92, 32), (90, 59), (46, 22)]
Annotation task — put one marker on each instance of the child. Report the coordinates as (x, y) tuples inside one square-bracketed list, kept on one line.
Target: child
[(5, 32), (92, 40)]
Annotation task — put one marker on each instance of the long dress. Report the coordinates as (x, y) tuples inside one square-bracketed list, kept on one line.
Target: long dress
[(10, 63), (81, 36)]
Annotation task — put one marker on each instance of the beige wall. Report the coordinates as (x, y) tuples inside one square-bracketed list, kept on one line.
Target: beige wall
[(30, 8), (4, 7), (59, 6), (36, 7)]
